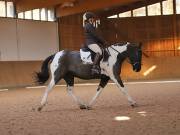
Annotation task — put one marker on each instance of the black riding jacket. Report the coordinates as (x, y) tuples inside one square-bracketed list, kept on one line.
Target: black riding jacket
[(91, 36)]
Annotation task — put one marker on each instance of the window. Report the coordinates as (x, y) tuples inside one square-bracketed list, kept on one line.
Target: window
[(167, 7), (21, 15), (28, 15), (50, 15), (154, 9), (2, 9), (178, 6), (36, 14), (113, 16), (125, 14), (6, 9), (10, 9), (43, 14), (139, 12)]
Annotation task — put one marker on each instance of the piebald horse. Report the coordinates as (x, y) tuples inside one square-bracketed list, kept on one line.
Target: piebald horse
[(68, 64)]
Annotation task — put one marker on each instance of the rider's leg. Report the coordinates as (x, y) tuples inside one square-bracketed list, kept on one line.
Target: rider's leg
[(95, 48), (96, 60)]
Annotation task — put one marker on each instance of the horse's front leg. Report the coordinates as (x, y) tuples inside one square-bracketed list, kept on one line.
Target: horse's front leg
[(103, 83), (75, 98), (70, 85), (99, 90), (121, 86)]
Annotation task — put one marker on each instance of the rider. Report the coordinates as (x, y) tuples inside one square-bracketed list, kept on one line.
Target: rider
[(93, 40)]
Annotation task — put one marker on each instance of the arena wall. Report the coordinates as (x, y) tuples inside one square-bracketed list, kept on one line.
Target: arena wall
[(27, 40), (20, 73)]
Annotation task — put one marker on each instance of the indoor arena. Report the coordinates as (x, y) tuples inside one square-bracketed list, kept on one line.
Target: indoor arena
[(47, 80)]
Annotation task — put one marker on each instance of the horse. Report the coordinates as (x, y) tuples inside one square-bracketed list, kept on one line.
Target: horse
[(67, 64)]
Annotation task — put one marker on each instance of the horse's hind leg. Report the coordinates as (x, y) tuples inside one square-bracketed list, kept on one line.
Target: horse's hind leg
[(45, 96), (56, 74), (70, 85)]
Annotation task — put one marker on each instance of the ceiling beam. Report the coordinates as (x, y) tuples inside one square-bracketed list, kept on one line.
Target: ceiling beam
[(128, 7), (25, 5), (90, 5)]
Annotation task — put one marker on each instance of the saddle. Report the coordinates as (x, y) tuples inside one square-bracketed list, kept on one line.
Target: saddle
[(87, 55)]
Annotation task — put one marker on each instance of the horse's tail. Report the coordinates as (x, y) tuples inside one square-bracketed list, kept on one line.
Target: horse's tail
[(42, 76)]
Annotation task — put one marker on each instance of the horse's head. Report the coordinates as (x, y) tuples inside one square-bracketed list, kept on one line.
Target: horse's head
[(134, 53)]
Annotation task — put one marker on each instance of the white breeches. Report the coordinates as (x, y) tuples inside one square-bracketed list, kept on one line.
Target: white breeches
[(95, 48)]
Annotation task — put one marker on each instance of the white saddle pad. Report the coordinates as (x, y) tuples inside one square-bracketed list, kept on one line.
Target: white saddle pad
[(85, 57)]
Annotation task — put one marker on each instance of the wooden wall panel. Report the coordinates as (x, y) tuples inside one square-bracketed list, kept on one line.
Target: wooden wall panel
[(178, 25), (18, 73), (177, 41), (166, 68), (71, 32), (159, 34), (108, 29)]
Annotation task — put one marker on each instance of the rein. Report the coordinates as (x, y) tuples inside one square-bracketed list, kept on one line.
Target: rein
[(114, 49)]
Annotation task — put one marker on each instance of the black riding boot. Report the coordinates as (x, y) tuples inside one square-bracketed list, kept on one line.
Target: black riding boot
[(96, 69)]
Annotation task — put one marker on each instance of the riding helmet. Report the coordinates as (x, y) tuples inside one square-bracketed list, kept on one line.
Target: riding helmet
[(88, 15)]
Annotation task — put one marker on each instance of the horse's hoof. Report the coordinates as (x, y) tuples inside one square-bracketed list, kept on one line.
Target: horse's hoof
[(39, 109), (89, 108), (134, 105), (83, 107)]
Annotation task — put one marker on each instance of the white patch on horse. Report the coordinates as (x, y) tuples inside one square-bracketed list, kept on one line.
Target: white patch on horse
[(55, 63), (53, 66), (86, 57), (108, 66)]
